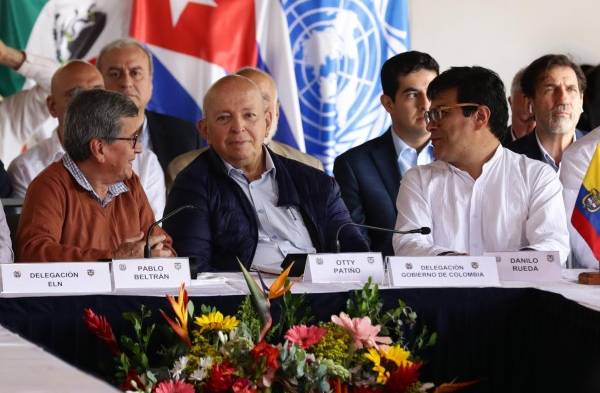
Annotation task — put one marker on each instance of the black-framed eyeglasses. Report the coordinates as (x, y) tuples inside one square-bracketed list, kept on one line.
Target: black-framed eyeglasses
[(132, 139), (436, 114)]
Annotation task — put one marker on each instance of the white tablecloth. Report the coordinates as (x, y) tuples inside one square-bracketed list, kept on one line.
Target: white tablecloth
[(29, 369)]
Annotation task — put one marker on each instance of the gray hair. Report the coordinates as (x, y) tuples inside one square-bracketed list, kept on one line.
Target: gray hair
[(516, 82), (94, 114), (124, 43)]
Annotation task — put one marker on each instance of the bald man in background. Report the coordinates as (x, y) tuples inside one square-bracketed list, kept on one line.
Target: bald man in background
[(71, 78), (268, 89)]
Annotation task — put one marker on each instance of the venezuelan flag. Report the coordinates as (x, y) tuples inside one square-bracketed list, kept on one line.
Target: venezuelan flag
[(586, 213)]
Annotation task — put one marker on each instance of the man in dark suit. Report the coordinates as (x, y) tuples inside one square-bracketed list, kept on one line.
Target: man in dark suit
[(126, 66), (554, 86), (369, 175)]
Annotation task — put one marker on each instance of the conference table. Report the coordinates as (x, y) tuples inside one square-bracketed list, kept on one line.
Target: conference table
[(520, 337)]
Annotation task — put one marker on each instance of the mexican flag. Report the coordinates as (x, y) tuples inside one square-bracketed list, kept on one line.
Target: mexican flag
[(59, 29)]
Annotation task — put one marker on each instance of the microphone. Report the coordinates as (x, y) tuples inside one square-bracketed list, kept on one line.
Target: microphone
[(422, 231), (147, 251)]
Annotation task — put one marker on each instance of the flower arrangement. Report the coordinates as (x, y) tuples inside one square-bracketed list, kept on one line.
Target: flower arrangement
[(362, 350)]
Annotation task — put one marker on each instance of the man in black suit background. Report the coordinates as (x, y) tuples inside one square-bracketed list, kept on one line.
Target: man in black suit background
[(126, 66), (554, 86), (369, 175)]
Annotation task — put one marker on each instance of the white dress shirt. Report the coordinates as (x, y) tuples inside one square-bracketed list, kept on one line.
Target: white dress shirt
[(515, 203), (6, 252), (23, 169), (574, 165), (23, 114)]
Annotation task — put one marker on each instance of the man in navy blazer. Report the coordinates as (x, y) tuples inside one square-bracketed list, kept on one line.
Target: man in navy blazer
[(554, 85), (369, 175), (126, 66)]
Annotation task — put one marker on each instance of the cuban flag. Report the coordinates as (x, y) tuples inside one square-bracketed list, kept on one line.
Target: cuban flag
[(325, 55)]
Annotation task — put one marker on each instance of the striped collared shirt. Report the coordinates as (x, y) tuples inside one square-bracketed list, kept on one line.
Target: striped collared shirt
[(113, 190)]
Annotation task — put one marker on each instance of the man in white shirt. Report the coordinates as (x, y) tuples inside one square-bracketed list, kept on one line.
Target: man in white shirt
[(575, 163), (478, 196), (23, 114), (73, 76)]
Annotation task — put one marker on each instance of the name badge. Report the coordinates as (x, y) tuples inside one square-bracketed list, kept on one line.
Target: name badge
[(56, 277), (347, 267), (450, 271), (150, 273), (528, 265)]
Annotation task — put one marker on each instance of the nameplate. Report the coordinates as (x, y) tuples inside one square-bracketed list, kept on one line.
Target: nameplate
[(450, 271), (56, 277), (150, 273), (346, 267), (532, 266)]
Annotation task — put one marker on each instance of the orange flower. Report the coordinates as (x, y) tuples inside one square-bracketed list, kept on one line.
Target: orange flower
[(180, 307), (278, 288)]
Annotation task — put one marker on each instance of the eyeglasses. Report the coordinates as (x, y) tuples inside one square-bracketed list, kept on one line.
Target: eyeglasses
[(436, 114), (132, 139)]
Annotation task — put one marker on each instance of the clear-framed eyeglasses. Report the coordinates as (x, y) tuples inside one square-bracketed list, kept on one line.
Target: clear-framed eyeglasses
[(436, 114)]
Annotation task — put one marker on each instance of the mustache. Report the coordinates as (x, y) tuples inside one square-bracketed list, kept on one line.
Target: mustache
[(561, 108)]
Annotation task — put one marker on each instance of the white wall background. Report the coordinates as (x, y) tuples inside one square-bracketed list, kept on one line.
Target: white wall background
[(505, 35)]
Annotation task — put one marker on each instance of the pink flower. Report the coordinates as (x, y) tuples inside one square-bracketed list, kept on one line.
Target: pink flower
[(361, 330), (305, 336), (174, 387)]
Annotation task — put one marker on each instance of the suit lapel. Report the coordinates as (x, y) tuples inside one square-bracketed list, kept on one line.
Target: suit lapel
[(384, 159)]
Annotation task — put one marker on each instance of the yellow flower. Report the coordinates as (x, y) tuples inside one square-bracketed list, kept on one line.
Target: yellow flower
[(216, 321), (396, 354), (374, 356)]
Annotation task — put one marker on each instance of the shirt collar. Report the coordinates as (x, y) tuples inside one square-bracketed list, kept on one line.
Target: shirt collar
[(545, 155), (486, 165), (269, 166), (400, 146), (113, 190)]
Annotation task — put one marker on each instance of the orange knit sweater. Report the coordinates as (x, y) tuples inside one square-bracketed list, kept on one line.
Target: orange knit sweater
[(61, 221)]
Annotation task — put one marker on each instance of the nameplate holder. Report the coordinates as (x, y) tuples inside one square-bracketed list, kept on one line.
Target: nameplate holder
[(531, 266), (448, 271), (344, 267), (150, 273), (56, 277)]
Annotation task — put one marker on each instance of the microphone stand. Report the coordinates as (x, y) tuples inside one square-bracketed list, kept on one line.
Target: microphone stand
[(147, 251), (422, 231)]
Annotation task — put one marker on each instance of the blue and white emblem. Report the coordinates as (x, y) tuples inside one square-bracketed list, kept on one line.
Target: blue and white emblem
[(339, 47)]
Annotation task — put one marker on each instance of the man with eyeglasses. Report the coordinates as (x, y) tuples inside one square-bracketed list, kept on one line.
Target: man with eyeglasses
[(369, 175), (90, 205), (74, 76), (478, 196)]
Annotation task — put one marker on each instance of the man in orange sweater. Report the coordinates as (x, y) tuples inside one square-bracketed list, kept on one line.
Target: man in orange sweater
[(90, 205)]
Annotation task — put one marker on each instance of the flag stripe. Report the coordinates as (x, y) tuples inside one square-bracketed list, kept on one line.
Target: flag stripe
[(587, 230), (18, 18)]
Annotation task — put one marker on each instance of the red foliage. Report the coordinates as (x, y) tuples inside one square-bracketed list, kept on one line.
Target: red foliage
[(221, 378), (99, 326), (132, 375), (271, 353), (243, 385), (402, 377)]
